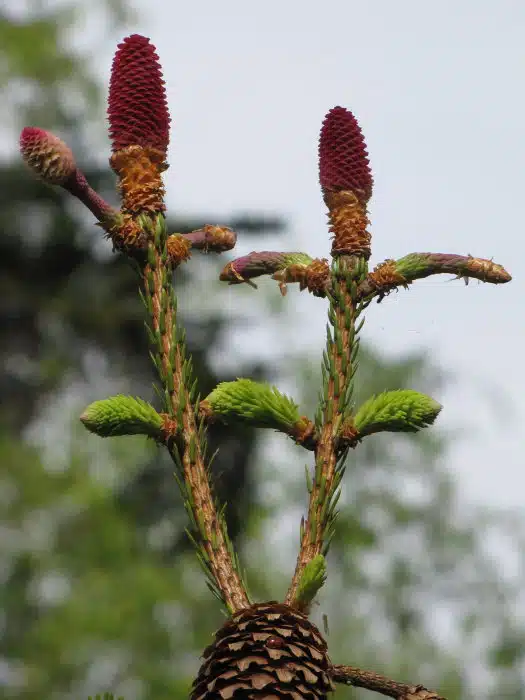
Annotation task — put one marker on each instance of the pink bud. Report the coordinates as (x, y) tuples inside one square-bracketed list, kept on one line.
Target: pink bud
[(47, 155)]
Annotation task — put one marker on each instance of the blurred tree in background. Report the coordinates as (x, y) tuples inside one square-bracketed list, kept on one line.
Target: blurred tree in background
[(99, 590)]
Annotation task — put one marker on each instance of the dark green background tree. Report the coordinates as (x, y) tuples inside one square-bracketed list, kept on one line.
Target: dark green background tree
[(99, 589)]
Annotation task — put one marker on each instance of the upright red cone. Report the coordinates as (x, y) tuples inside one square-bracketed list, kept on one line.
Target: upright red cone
[(346, 181), (137, 105)]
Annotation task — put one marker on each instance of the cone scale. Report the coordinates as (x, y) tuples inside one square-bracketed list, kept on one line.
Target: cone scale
[(266, 651)]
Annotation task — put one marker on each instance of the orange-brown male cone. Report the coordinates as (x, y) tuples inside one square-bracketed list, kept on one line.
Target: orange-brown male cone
[(138, 125), (346, 181)]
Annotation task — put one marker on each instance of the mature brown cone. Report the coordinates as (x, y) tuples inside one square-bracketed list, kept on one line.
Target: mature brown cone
[(266, 651)]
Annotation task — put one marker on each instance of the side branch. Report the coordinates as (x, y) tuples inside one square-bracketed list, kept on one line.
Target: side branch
[(391, 274), (313, 275), (285, 268), (369, 680)]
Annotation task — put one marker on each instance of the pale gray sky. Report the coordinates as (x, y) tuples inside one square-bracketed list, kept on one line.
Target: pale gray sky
[(437, 89)]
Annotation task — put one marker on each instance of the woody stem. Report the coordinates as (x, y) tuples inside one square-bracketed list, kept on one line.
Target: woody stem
[(359, 678)]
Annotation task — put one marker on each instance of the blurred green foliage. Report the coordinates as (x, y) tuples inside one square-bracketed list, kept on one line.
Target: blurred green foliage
[(99, 589)]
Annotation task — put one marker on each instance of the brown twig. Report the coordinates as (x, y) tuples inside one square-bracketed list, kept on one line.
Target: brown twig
[(359, 678)]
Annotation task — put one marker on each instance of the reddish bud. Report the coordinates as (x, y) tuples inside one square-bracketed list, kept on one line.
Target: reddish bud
[(255, 264), (47, 155), (137, 107), (343, 158)]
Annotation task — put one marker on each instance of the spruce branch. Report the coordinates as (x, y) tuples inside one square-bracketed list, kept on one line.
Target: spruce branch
[(360, 678), (268, 649), (139, 129), (346, 182)]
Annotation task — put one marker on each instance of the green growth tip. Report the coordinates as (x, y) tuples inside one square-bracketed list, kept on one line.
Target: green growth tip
[(122, 415), (403, 411), (258, 404)]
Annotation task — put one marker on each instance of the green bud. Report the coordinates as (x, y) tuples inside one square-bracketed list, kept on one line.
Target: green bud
[(403, 410), (258, 404), (122, 415)]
